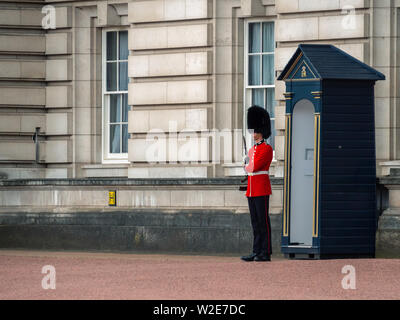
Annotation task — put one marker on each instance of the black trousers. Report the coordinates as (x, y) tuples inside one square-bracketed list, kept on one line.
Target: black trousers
[(259, 209)]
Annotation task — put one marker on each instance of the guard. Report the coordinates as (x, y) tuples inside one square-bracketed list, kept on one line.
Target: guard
[(258, 183)]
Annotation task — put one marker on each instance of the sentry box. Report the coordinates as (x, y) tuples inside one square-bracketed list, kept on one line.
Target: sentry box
[(330, 170)]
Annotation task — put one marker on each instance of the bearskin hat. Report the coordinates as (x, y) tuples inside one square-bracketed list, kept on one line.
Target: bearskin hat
[(258, 120)]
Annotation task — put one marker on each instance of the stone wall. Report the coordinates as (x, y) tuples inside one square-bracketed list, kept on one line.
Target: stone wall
[(22, 91), (67, 195), (34, 64), (162, 215), (181, 71)]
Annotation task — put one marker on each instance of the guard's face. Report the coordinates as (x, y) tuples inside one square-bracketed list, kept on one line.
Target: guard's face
[(257, 136)]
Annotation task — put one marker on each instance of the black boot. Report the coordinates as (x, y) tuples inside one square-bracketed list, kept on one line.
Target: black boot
[(250, 257), (262, 257)]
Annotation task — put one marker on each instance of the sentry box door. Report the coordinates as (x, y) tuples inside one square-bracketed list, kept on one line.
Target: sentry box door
[(302, 185), (301, 177)]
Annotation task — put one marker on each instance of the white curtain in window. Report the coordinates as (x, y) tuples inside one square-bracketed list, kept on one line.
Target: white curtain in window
[(254, 70), (123, 45), (268, 37), (271, 102), (254, 37), (254, 60), (268, 69), (123, 76), (258, 97)]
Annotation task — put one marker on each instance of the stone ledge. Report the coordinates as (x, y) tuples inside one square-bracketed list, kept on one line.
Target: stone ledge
[(390, 168), (106, 166), (128, 182), (389, 180), (105, 170)]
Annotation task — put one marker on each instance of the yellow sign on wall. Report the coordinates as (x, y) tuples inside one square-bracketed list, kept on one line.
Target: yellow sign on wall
[(112, 198)]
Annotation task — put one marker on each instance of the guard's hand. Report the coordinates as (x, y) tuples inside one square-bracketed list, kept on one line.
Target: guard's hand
[(246, 160)]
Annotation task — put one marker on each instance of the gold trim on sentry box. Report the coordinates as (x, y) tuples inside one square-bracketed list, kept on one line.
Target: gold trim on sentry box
[(286, 202), (285, 180), (293, 65), (316, 173), (289, 172), (307, 67), (288, 95)]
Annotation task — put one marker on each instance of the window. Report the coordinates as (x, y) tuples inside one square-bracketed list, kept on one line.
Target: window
[(259, 70), (115, 95)]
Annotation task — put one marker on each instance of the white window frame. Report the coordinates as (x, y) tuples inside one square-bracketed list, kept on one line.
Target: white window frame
[(247, 97), (107, 157)]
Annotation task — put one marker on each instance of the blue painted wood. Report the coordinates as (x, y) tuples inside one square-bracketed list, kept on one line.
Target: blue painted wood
[(302, 90), (332, 63), (303, 70)]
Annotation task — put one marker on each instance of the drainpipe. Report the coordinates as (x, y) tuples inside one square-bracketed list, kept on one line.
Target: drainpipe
[(37, 137)]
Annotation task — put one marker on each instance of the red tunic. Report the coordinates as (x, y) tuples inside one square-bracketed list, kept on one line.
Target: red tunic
[(260, 159)]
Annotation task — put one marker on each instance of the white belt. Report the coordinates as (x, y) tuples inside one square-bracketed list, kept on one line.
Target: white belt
[(257, 173)]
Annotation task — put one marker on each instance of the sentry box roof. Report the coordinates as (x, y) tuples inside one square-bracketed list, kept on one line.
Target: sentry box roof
[(325, 61)]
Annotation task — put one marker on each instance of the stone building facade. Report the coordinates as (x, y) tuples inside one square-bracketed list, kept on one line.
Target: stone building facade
[(101, 79), (186, 61)]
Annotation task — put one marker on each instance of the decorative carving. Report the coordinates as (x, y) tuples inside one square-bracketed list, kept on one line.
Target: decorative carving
[(303, 72)]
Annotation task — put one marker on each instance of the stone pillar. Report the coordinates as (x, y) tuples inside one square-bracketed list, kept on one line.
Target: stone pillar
[(59, 116), (385, 58)]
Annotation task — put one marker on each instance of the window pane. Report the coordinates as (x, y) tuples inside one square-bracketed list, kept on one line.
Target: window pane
[(115, 108), (111, 45), (268, 69), (124, 138), (257, 97), (254, 37), (254, 70), (115, 138), (271, 102), (125, 107), (123, 45), (111, 76), (123, 76), (268, 37)]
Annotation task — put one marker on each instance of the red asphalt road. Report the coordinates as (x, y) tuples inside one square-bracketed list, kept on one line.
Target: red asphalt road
[(81, 275)]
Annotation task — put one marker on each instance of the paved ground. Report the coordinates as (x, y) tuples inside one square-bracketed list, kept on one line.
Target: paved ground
[(147, 276)]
